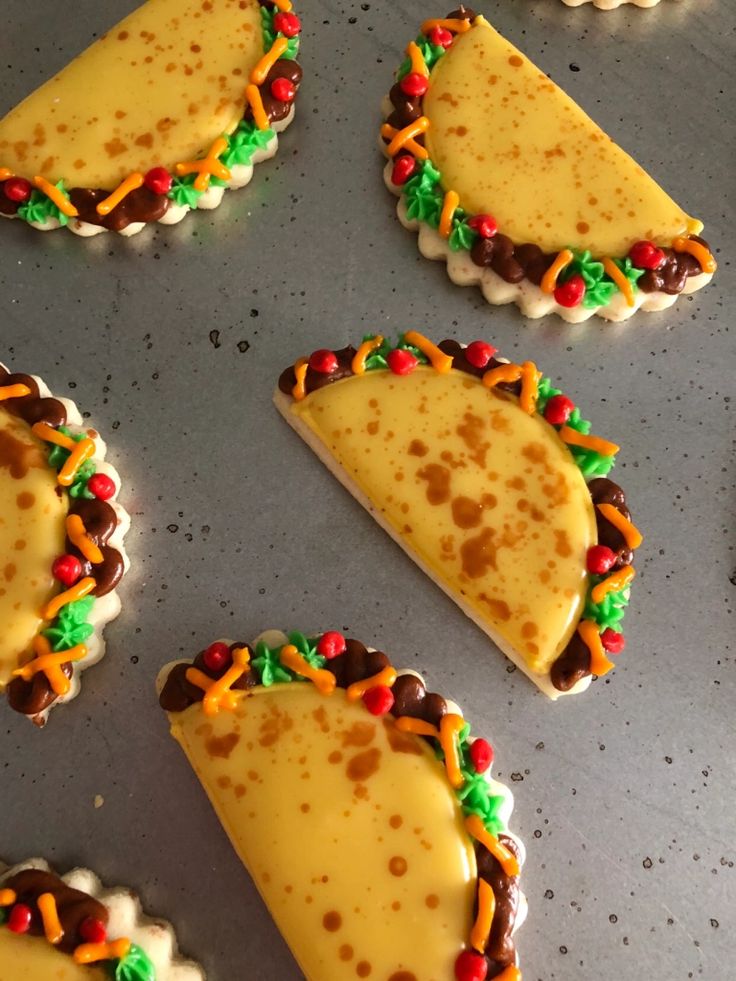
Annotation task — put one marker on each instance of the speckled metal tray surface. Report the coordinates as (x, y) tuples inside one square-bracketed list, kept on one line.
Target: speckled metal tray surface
[(173, 340)]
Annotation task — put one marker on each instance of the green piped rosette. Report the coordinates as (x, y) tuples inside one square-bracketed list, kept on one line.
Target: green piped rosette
[(40, 209), (135, 966)]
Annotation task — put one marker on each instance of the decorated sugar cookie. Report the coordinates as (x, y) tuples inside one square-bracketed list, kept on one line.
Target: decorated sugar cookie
[(162, 114), (489, 478), (509, 182), (68, 928), (61, 539), (360, 804)]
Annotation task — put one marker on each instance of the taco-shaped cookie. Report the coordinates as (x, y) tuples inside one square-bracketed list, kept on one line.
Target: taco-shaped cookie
[(359, 803), (162, 114), (69, 928), (611, 4), (506, 179), (491, 481), (61, 541)]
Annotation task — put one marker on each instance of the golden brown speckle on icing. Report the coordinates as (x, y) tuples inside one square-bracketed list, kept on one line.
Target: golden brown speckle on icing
[(397, 865), (332, 921), (363, 765), (222, 746)]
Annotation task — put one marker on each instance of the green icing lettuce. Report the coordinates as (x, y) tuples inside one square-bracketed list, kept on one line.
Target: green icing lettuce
[(244, 142), (40, 209), (379, 358), (476, 796), (71, 626), (609, 613), (430, 52), (58, 456), (135, 966), (270, 35), (267, 662)]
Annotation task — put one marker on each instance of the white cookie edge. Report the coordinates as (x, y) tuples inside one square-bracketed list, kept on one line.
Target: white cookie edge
[(106, 608), (155, 936)]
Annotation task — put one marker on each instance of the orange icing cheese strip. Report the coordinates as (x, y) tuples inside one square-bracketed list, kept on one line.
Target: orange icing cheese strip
[(506, 859), (511, 973), (484, 920), (254, 100), (707, 263), (131, 183), (450, 726), (402, 136), (590, 636), (632, 536), (502, 373), (299, 391), (323, 681), (61, 201), (549, 280), (50, 435), (213, 697), (5, 173), (418, 727), (449, 207), (388, 132), (209, 166), (83, 451), (529, 387), (91, 953), (613, 583), (455, 25), (50, 917), (366, 348), (7, 897), (50, 664), (78, 536), (418, 64), (264, 66), (588, 442), (386, 677), (229, 699), (76, 592), (441, 362), (620, 280), (13, 392), (283, 5)]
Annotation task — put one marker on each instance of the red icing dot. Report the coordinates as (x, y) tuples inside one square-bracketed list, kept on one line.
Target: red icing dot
[(478, 353), (570, 293), (613, 641), (158, 180), (17, 189), (471, 966), (401, 362), (323, 361), (440, 37), (414, 85), (217, 656), (600, 559), (558, 410), (379, 700), (20, 917), (101, 486), (485, 225), (67, 569), (404, 167), (481, 753), (93, 931), (287, 24), (331, 644), (646, 255), (283, 90)]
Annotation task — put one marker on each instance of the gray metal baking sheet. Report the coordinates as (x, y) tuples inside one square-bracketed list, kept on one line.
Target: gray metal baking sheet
[(173, 340)]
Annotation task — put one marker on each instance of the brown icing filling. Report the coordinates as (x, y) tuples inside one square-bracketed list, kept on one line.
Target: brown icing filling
[(411, 698), (73, 905), (32, 697), (513, 263), (574, 661), (143, 205)]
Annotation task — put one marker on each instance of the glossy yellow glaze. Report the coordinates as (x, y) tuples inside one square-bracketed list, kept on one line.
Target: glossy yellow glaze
[(35, 959), (156, 89), (349, 829), (31, 536), (487, 496), (513, 144)]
